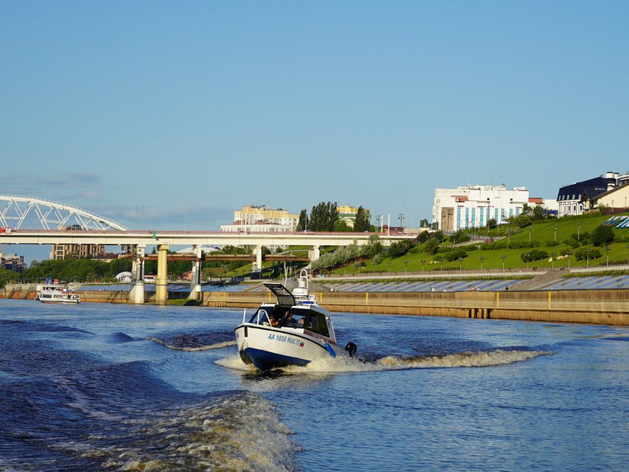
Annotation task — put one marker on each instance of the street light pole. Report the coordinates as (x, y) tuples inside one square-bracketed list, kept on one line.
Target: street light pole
[(481, 261), (503, 257), (552, 260)]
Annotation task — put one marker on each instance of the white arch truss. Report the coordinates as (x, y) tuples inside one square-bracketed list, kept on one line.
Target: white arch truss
[(51, 215)]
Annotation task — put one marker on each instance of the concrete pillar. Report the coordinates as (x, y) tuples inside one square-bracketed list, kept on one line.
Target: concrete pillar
[(257, 266), (161, 284), (195, 280), (137, 269), (314, 253)]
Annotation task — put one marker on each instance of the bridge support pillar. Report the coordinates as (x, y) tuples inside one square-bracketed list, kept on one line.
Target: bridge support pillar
[(256, 268), (314, 253), (161, 283), (195, 279), (137, 270)]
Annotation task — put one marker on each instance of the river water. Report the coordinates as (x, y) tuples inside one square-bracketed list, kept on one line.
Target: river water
[(117, 387)]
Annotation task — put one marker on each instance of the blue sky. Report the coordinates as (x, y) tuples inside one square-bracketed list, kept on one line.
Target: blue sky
[(162, 114)]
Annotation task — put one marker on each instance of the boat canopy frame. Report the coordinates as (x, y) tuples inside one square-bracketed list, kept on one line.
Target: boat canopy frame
[(284, 296)]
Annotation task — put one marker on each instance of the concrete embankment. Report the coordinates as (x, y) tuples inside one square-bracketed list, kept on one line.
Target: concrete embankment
[(608, 307)]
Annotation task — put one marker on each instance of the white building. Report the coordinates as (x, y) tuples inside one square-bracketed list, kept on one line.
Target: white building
[(473, 206), (577, 198), (253, 219)]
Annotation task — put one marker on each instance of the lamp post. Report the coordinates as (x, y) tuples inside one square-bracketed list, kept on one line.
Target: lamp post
[(555, 232), (422, 261), (578, 232), (568, 253), (503, 257), (552, 260), (587, 258), (481, 262), (388, 266), (405, 264), (441, 261), (526, 258), (607, 248), (460, 264), (530, 234)]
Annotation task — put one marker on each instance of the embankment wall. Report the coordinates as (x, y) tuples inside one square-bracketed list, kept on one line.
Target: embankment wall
[(608, 307)]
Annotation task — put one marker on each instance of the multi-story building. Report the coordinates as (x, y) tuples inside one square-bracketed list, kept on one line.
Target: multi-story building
[(577, 198), (473, 206), (262, 219), (80, 251), (348, 214), (12, 262)]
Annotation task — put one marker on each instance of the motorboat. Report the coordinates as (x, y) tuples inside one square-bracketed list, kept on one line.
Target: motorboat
[(56, 294), (295, 330)]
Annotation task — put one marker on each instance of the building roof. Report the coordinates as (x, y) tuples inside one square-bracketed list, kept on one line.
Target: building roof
[(590, 188)]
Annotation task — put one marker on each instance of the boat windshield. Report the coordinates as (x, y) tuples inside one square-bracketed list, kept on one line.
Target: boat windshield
[(268, 314), (316, 323)]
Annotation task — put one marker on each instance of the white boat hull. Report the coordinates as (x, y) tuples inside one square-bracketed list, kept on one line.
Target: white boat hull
[(67, 301), (267, 347)]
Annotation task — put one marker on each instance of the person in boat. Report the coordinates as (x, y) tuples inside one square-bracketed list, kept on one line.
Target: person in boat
[(288, 321)]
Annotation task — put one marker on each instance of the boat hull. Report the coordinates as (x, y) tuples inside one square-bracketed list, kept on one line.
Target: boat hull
[(65, 302), (268, 348)]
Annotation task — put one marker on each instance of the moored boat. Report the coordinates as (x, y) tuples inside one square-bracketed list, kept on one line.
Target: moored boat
[(295, 330), (57, 294)]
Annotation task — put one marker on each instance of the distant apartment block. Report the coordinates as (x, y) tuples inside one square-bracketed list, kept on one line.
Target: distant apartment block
[(472, 206), (12, 262), (262, 219), (78, 251)]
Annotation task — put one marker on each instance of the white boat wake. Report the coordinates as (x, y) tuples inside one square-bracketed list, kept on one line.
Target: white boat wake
[(342, 364), (209, 347)]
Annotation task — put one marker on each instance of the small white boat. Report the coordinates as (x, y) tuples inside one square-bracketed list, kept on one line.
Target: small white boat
[(294, 331), (56, 294)]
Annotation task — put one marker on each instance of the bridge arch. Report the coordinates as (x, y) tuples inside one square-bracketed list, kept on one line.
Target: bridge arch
[(51, 215)]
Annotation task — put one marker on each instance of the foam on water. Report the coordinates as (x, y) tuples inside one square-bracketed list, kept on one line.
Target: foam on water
[(341, 364), (219, 345), (237, 431)]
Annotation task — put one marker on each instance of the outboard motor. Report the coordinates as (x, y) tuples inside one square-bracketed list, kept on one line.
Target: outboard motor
[(351, 349)]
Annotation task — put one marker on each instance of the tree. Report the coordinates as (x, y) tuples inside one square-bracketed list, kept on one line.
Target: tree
[(460, 236), (603, 234), (323, 217), (303, 221), (362, 222), (341, 226), (431, 246)]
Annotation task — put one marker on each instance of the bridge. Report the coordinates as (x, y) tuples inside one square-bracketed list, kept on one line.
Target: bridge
[(92, 229)]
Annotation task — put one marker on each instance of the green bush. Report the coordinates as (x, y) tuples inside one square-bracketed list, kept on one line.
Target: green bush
[(533, 255), (584, 253)]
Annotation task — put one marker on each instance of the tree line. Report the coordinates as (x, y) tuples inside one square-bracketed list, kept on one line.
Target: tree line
[(325, 217)]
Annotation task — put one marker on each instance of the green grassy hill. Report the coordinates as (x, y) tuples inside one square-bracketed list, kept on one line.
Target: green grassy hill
[(553, 236)]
